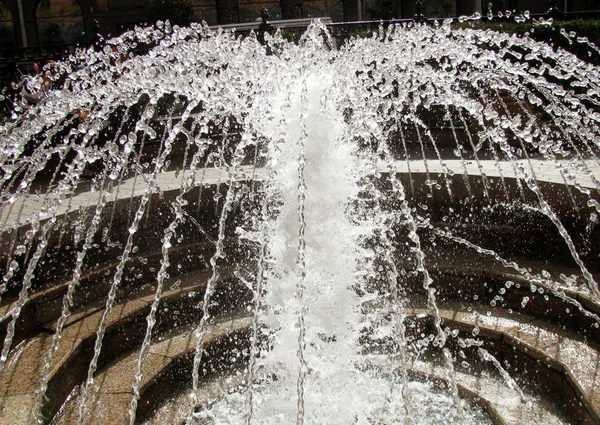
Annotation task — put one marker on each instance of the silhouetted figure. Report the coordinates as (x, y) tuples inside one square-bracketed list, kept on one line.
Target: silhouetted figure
[(419, 17), (264, 26)]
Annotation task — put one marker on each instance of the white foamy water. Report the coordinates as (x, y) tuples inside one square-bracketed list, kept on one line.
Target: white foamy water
[(324, 124)]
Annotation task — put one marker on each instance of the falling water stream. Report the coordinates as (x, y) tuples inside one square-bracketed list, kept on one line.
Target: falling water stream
[(313, 159)]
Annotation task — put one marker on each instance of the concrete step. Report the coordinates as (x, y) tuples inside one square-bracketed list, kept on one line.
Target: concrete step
[(125, 330), (535, 351), (113, 391)]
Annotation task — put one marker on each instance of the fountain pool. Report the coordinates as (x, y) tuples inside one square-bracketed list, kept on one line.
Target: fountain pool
[(198, 229)]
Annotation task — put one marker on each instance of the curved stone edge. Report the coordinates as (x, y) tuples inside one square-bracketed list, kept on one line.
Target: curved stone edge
[(167, 367), (503, 406), (580, 386), (545, 172), (501, 411), (125, 332)]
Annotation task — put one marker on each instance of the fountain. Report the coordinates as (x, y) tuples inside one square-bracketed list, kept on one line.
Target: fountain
[(198, 229)]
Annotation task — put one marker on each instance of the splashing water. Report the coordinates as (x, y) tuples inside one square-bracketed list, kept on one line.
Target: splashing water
[(328, 159)]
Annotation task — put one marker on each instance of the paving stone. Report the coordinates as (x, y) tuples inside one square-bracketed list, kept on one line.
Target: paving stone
[(15, 409)]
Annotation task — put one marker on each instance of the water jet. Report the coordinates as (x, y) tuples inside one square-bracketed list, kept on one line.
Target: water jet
[(403, 230)]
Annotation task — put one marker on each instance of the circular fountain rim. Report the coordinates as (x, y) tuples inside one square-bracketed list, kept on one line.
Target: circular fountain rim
[(167, 181)]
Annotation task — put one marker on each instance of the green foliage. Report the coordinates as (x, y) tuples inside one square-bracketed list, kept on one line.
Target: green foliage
[(287, 35)]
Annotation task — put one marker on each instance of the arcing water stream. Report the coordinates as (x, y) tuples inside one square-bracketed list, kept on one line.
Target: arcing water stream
[(331, 183)]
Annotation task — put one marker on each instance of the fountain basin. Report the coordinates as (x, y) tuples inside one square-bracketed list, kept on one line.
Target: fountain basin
[(365, 233), (466, 287)]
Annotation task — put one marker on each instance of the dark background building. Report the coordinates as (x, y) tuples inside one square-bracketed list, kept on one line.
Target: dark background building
[(30, 23)]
